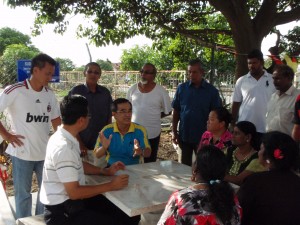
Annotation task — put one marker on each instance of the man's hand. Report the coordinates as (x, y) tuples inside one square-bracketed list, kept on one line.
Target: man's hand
[(83, 150), (14, 139), (175, 137), (114, 168), (105, 141), (137, 149), (120, 182)]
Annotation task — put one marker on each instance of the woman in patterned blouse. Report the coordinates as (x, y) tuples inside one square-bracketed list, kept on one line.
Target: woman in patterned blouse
[(242, 158), (217, 133), (211, 201)]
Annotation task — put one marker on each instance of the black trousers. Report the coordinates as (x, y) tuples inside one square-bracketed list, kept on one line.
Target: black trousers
[(93, 211), (187, 152), (154, 143)]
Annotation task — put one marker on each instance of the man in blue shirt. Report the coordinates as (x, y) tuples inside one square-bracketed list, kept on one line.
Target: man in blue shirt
[(192, 103), (122, 140)]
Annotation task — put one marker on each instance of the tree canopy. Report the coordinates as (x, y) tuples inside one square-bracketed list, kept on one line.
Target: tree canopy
[(8, 61), (105, 65), (9, 36), (65, 64), (247, 22)]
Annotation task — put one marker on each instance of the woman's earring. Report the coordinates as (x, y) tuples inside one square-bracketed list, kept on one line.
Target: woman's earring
[(268, 161)]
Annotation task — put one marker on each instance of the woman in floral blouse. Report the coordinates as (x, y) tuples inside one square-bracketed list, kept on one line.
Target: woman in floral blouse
[(211, 201), (217, 133)]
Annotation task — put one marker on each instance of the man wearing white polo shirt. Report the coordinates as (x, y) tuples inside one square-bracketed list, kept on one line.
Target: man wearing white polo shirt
[(67, 199), (252, 93)]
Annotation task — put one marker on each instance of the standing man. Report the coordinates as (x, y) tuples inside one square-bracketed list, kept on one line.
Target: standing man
[(192, 103), (67, 199), (99, 99), (123, 140), (280, 112), (252, 93), (150, 102), (32, 107)]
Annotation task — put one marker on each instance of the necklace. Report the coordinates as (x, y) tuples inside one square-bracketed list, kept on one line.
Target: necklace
[(244, 157)]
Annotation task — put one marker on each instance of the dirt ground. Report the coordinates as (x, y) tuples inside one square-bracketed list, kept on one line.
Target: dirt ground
[(165, 152)]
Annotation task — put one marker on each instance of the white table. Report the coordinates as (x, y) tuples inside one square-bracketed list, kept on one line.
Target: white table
[(150, 186)]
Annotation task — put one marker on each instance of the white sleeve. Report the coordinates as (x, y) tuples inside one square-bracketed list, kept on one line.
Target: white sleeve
[(166, 101), (237, 94), (129, 93), (55, 112), (7, 98)]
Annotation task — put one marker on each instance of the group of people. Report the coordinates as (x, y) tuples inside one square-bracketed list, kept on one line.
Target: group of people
[(259, 153), (82, 122), (256, 137)]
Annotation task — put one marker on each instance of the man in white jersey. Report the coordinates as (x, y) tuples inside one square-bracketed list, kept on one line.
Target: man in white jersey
[(67, 199), (252, 93), (32, 108), (150, 102)]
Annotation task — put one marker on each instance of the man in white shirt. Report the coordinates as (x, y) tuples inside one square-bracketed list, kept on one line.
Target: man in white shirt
[(150, 102), (252, 93), (67, 199), (280, 113), (32, 108)]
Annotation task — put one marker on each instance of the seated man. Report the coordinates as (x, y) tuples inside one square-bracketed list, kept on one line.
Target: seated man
[(66, 197), (122, 140)]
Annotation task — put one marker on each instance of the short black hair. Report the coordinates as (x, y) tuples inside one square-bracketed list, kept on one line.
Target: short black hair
[(91, 64), (285, 71), (194, 62), (40, 60), (256, 53), (73, 107), (115, 103)]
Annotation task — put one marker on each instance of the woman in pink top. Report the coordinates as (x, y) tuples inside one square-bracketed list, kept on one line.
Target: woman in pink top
[(217, 133)]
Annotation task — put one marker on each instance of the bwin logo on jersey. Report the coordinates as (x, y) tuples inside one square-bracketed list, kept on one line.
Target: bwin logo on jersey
[(37, 118)]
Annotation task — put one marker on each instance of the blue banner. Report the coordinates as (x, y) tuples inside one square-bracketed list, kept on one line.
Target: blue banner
[(24, 67)]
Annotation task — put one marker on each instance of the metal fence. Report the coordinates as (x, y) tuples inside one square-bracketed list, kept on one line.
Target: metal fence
[(118, 82)]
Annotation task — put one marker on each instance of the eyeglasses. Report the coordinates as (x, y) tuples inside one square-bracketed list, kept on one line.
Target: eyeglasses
[(125, 111), (146, 72), (94, 72)]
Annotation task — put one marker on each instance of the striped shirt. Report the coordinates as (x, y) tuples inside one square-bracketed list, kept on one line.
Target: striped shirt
[(62, 164)]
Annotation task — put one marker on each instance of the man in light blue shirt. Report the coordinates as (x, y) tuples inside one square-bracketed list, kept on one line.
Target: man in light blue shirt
[(122, 140)]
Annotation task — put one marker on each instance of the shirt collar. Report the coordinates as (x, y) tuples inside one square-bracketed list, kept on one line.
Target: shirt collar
[(28, 85), (264, 75), (203, 83), (130, 130), (288, 92), (67, 134), (97, 88)]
